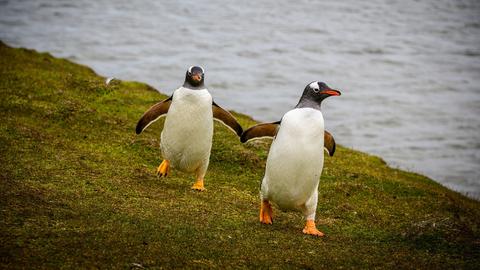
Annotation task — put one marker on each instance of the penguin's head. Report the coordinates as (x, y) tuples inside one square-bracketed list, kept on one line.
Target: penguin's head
[(195, 76), (314, 93)]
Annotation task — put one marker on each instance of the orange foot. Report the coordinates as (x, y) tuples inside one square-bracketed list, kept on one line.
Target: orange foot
[(164, 168), (198, 185), (266, 212), (311, 229)]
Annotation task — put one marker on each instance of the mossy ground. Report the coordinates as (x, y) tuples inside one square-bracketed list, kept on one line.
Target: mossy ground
[(78, 190)]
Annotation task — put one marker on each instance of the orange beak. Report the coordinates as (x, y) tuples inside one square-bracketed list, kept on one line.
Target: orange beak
[(197, 77), (331, 92)]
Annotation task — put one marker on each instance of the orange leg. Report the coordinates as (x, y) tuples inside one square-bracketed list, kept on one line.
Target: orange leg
[(311, 229), (198, 185), (266, 212), (164, 168)]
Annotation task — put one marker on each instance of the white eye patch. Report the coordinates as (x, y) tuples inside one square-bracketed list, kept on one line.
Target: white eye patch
[(314, 86), (190, 69)]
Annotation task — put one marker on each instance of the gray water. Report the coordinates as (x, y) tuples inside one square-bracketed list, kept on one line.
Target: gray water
[(409, 71)]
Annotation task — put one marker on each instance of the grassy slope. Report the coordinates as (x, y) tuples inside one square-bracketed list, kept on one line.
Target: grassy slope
[(78, 189)]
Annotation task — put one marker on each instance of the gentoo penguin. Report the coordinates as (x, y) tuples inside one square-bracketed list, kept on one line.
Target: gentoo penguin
[(186, 139), (295, 160)]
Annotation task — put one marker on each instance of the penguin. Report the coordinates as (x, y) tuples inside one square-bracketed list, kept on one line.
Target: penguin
[(186, 138), (295, 159)]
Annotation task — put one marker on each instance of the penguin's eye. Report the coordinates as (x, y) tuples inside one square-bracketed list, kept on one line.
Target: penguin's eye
[(316, 90)]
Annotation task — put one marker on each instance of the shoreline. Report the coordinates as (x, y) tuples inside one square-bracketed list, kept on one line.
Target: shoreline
[(392, 163)]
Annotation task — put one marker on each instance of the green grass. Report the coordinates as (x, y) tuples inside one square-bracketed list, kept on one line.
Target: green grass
[(78, 190)]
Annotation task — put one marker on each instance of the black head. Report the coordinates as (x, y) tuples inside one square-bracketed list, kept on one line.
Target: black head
[(315, 93), (195, 77)]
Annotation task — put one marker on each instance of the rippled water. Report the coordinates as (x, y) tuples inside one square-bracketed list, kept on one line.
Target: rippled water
[(409, 71)]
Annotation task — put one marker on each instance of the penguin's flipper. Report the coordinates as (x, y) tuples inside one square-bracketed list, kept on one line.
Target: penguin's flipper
[(265, 130), (226, 118), (329, 143), (153, 114)]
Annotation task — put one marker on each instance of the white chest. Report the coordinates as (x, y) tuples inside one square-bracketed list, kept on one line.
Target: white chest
[(295, 159), (188, 130)]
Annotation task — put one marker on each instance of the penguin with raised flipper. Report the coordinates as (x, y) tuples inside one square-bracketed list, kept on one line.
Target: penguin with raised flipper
[(295, 160), (186, 139)]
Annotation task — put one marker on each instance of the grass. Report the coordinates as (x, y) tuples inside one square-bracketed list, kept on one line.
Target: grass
[(78, 190)]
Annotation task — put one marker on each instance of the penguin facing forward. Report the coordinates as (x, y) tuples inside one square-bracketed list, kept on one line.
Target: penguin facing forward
[(186, 138), (295, 160)]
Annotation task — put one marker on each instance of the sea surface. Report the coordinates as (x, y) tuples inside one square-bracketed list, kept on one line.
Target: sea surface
[(409, 71)]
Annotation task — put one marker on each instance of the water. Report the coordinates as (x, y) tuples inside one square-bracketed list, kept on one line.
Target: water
[(409, 71)]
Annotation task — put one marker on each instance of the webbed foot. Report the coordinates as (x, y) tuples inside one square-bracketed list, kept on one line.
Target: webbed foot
[(163, 169), (198, 185), (266, 212), (311, 229)]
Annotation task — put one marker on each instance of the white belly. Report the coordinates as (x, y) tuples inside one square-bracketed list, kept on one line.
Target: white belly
[(295, 160), (186, 138)]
